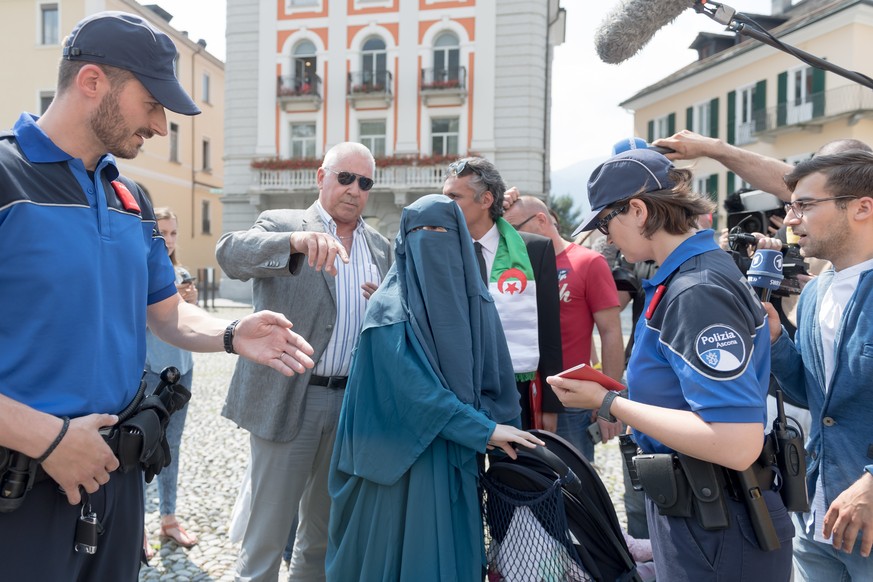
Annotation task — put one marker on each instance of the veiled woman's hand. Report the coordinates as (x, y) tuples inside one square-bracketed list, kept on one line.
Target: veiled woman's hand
[(505, 434)]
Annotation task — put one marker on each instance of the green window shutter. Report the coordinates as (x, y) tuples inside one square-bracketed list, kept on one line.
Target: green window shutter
[(818, 92), (713, 118), (759, 106), (712, 187), (731, 177), (689, 119), (671, 124), (731, 118), (782, 99), (651, 137)]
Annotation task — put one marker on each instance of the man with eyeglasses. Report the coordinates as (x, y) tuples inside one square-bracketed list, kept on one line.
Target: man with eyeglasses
[(520, 272), (588, 297), (829, 364), (293, 422)]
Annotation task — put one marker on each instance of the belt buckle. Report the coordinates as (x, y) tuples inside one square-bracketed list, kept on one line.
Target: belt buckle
[(334, 382)]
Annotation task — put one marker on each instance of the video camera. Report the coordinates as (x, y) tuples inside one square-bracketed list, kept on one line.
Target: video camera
[(750, 212)]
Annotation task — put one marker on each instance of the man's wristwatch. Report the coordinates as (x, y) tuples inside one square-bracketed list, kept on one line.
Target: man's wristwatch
[(603, 412), (228, 337)]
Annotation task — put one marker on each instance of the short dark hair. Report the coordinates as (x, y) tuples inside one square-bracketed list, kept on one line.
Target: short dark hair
[(849, 173), (68, 70), (485, 178), (675, 209)]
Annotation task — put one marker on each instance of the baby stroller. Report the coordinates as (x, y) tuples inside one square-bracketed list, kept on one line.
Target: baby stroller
[(548, 518)]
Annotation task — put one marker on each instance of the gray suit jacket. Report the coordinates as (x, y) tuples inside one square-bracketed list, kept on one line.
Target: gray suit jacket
[(260, 399)]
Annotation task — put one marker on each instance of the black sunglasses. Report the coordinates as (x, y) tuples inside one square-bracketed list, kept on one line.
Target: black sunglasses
[(603, 224), (346, 178)]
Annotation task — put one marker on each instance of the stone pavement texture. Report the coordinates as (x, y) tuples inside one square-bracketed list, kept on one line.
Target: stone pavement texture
[(213, 460)]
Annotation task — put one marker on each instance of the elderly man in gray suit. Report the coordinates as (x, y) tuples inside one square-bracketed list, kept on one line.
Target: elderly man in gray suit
[(293, 421)]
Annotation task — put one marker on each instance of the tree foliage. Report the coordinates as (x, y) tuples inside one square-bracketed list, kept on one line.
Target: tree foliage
[(568, 217)]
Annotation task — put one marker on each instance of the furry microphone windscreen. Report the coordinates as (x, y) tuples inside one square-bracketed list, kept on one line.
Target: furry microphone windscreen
[(632, 24)]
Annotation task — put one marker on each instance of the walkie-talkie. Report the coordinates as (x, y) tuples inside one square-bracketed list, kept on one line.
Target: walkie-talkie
[(791, 459)]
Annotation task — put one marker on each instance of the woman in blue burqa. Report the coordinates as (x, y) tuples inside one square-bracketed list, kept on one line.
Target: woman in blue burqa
[(431, 385)]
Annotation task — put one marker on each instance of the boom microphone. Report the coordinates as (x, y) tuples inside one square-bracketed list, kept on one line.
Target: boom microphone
[(765, 273), (632, 24)]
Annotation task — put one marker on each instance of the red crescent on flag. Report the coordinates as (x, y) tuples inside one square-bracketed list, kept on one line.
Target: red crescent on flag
[(512, 274)]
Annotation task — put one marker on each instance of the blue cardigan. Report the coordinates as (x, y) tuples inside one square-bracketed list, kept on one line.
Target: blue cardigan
[(840, 443)]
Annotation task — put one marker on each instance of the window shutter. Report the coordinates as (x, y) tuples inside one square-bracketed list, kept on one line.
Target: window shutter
[(731, 118), (671, 124), (689, 119), (759, 106), (651, 136), (782, 99), (731, 177), (818, 92), (713, 118), (712, 187)]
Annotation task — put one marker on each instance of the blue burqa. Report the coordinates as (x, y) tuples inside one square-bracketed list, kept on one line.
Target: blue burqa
[(430, 378)]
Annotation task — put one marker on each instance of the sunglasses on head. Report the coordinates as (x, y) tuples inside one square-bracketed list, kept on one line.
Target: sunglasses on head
[(459, 167), (346, 178)]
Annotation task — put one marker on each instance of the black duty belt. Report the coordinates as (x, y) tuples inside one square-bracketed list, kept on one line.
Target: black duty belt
[(334, 382)]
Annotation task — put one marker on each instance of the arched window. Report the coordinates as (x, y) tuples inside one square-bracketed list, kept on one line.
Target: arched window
[(373, 62), (446, 57), (304, 61)]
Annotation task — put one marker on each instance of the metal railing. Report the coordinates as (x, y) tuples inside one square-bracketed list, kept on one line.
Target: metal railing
[(817, 108), (363, 82), (291, 86), (444, 78)]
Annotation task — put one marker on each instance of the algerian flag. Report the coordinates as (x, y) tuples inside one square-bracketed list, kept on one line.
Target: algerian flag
[(515, 294)]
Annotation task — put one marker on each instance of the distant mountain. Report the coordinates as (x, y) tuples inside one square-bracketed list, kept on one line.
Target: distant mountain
[(573, 180)]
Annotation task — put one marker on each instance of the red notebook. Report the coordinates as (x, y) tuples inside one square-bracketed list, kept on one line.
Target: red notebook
[(586, 372)]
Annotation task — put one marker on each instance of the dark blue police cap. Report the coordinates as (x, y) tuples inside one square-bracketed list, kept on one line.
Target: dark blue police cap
[(624, 175), (128, 42)]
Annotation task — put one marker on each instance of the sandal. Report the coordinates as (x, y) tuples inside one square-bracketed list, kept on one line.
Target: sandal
[(173, 530), (147, 549)]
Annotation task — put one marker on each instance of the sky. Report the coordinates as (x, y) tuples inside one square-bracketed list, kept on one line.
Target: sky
[(586, 117)]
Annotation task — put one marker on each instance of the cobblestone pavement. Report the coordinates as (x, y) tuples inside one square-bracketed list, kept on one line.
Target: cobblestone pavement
[(213, 459)]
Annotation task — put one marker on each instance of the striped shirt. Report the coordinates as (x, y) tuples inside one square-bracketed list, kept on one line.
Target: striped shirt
[(350, 302)]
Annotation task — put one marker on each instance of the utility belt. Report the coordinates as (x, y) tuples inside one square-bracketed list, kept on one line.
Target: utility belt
[(138, 440), (682, 486)]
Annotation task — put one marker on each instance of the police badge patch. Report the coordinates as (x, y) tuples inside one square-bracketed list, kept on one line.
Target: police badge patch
[(721, 348)]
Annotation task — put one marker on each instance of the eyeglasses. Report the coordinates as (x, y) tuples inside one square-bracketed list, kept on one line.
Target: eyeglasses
[(603, 224), (346, 178), (461, 165), (523, 222), (798, 207)]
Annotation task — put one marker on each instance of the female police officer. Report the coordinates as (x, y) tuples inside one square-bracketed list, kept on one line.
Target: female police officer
[(697, 379)]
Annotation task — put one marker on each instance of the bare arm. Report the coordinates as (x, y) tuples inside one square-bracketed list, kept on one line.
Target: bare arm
[(82, 457), (762, 172), (264, 337), (733, 445), (608, 322)]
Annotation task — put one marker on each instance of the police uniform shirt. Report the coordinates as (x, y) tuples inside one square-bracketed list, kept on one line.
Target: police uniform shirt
[(705, 347)]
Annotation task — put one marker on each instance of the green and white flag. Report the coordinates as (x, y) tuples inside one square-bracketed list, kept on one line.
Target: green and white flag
[(515, 294)]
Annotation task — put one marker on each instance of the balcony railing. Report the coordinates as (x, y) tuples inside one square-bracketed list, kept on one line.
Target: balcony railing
[(369, 82), (444, 79), (290, 86), (816, 109), (419, 177)]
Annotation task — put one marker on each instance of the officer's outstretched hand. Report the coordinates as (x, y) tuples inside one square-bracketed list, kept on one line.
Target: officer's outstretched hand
[(82, 458), (851, 513), (265, 337)]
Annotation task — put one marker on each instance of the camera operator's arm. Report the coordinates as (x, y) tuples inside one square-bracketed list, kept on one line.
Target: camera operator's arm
[(762, 172)]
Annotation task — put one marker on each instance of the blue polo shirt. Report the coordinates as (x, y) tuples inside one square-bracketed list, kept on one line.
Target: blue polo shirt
[(81, 263), (705, 347)]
